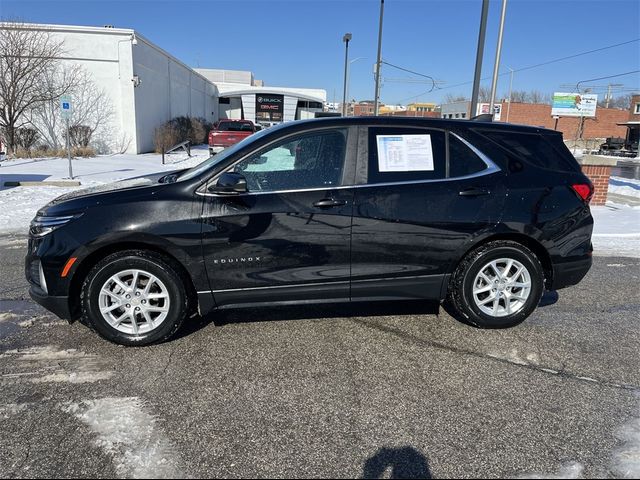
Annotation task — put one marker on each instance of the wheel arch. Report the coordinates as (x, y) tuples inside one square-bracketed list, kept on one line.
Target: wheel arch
[(82, 270), (531, 243)]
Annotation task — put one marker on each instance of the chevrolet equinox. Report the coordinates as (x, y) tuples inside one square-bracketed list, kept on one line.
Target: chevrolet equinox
[(484, 216)]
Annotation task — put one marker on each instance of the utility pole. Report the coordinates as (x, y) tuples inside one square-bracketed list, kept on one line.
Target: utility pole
[(496, 66), (378, 62), (510, 89), (345, 39), (479, 54)]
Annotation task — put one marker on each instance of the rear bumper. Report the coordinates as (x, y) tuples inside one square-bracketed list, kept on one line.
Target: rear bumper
[(57, 305), (570, 273)]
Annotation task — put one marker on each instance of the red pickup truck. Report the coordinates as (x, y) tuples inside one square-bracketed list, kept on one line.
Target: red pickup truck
[(228, 132)]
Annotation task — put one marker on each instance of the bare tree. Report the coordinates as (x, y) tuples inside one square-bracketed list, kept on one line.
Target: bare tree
[(454, 97), (484, 94), (519, 96), (28, 56), (92, 112), (535, 96)]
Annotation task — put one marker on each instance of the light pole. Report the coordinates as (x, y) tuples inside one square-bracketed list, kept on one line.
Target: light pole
[(345, 39), (347, 87), (473, 108), (378, 62), (510, 87), (496, 66)]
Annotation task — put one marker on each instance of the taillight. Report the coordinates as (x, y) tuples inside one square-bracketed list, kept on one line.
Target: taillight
[(584, 191)]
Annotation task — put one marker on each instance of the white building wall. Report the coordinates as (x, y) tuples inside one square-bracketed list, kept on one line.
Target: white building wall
[(249, 106), (289, 108), (168, 89), (105, 55)]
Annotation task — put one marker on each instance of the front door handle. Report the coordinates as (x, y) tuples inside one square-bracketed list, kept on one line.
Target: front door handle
[(329, 202), (474, 192)]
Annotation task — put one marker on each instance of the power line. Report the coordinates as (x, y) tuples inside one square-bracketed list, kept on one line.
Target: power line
[(433, 82), (604, 78), (532, 66)]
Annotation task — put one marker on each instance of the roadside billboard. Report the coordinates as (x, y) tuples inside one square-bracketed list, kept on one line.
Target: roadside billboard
[(574, 104)]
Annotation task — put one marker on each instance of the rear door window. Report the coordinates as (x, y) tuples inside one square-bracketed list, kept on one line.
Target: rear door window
[(406, 154)]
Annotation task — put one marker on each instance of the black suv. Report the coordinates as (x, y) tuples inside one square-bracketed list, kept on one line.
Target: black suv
[(482, 215)]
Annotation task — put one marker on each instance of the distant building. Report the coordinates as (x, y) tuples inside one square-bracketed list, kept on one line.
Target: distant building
[(422, 107), (147, 86)]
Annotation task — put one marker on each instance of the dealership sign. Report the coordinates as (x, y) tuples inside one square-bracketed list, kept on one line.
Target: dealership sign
[(574, 105), (270, 103)]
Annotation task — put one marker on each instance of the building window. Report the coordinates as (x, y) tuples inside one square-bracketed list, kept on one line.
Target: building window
[(637, 110), (464, 115), (224, 100)]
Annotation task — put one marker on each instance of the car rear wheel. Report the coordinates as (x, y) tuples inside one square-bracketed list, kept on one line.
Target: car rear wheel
[(498, 285), (134, 297)]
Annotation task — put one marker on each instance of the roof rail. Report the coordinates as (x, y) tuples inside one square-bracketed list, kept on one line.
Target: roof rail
[(485, 117)]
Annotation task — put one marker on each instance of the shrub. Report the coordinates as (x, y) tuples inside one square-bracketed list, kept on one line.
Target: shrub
[(165, 137), (80, 135), (26, 137), (180, 129)]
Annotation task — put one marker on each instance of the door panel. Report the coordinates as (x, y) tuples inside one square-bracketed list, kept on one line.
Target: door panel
[(289, 237), (277, 241), (406, 236)]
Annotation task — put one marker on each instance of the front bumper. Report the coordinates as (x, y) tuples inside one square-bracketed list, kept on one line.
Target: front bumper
[(57, 305), (570, 273)]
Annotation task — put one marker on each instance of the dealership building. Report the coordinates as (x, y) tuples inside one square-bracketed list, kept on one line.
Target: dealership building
[(147, 86)]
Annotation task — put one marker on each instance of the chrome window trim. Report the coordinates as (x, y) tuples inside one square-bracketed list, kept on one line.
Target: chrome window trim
[(491, 169)]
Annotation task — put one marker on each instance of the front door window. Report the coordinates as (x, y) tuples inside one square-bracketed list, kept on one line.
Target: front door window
[(302, 162)]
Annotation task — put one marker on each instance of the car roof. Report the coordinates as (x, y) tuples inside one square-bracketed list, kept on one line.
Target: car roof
[(389, 121)]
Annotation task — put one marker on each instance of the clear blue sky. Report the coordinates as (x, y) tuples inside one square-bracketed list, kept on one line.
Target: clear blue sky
[(299, 43)]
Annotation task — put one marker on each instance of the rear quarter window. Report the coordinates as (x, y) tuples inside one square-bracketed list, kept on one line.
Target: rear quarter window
[(538, 149)]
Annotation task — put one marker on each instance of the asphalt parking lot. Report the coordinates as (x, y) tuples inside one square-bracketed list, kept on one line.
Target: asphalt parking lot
[(390, 390)]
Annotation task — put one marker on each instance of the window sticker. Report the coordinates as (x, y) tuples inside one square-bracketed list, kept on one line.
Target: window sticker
[(404, 153)]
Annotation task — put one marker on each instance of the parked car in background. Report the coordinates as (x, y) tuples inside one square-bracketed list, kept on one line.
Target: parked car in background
[(484, 216), (229, 132)]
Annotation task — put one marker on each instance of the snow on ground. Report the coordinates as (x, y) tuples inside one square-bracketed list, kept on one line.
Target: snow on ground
[(130, 436), (616, 230), (20, 204), (624, 186)]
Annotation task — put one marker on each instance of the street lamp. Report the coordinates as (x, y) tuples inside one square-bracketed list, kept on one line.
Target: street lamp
[(345, 39), (346, 94)]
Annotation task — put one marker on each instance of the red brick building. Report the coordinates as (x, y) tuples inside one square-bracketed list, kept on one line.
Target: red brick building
[(604, 124)]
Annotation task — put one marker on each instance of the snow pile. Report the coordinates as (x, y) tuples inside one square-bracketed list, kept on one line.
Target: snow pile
[(570, 470), (624, 186), (129, 436), (626, 460), (616, 230)]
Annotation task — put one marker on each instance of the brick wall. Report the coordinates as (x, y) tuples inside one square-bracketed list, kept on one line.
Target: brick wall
[(602, 126), (599, 176)]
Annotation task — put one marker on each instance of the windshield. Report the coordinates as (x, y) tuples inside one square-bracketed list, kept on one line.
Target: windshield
[(221, 157)]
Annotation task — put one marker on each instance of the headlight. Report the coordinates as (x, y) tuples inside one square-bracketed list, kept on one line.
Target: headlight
[(42, 225)]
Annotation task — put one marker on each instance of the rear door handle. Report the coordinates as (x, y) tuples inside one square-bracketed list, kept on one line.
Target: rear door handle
[(474, 192), (329, 202)]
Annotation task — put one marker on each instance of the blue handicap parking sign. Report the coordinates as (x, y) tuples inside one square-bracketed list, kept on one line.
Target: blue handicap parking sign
[(65, 106)]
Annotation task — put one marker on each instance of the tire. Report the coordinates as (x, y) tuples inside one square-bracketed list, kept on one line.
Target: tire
[(476, 273), (158, 309)]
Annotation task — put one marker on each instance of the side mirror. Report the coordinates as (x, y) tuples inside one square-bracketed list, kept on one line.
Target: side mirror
[(230, 183)]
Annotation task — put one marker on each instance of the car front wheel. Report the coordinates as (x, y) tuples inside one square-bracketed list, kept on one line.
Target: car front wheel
[(134, 297), (498, 285)]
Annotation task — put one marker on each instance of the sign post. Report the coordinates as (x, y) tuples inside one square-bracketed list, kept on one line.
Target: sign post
[(65, 112)]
